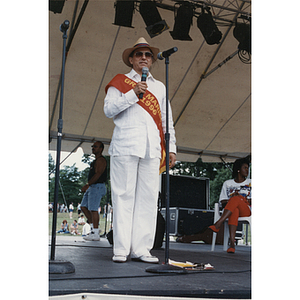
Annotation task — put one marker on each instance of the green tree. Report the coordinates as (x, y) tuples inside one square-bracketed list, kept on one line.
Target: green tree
[(87, 158), (72, 180), (197, 169), (51, 164), (216, 184), (70, 185)]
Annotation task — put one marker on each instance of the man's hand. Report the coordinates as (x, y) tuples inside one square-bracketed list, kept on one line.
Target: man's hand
[(85, 187), (172, 161), (140, 88)]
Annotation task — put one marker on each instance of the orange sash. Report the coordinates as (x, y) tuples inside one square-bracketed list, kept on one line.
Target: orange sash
[(149, 103)]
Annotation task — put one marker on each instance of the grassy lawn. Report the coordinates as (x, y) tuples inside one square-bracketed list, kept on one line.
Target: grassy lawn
[(65, 216)]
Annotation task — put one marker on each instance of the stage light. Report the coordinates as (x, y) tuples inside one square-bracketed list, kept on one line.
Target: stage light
[(123, 13), (183, 22), (208, 27), (56, 6), (242, 32), (155, 24)]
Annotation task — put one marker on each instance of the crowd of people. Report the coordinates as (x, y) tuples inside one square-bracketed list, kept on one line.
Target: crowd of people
[(80, 226)]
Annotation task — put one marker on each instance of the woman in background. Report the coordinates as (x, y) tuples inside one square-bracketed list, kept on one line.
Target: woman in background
[(236, 197), (64, 228)]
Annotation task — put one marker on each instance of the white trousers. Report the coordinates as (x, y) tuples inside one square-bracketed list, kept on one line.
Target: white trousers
[(134, 190)]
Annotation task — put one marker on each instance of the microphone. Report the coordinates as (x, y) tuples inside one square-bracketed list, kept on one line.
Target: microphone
[(167, 53), (145, 71), (64, 26)]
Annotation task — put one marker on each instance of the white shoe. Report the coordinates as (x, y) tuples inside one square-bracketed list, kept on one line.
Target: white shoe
[(92, 237), (147, 259), (119, 258)]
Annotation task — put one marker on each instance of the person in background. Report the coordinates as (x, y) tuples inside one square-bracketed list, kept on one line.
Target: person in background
[(94, 190), (86, 228), (64, 228), (235, 197), (79, 209), (109, 210), (137, 153), (71, 208), (81, 220), (74, 228), (104, 211)]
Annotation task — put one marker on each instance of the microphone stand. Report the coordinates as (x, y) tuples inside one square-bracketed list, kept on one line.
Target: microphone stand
[(166, 267), (59, 267)]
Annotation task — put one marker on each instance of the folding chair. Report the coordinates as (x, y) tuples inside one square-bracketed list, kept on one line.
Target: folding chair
[(217, 216)]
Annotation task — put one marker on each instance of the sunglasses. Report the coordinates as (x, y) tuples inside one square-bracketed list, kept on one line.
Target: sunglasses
[(140, 54)]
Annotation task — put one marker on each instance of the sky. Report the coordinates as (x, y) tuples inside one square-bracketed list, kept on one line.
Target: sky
[(73, 158)]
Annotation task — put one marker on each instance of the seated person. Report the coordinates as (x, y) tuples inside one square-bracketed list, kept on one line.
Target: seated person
[(86, 228), (235, 197), (81, 220), (74, 228), (64, 227)]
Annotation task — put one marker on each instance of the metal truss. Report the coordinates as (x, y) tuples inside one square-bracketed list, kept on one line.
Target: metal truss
[(223, 11)]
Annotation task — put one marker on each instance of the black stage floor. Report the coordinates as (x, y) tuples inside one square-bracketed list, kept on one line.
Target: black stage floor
[(96, 273)]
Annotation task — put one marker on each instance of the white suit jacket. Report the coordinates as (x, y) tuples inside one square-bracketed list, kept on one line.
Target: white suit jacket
[(135, 131)]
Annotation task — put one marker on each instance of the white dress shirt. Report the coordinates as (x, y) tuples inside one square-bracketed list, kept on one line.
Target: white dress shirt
[(135, 131)]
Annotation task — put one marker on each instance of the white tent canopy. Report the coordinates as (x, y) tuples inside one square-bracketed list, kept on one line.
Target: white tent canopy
[(209, 86)]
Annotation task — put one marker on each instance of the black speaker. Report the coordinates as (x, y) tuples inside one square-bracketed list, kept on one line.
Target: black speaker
[(194, 221), (186, 191), (187, 221)]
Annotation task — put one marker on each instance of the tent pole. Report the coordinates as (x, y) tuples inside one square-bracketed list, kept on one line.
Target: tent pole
[(59, 267)]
